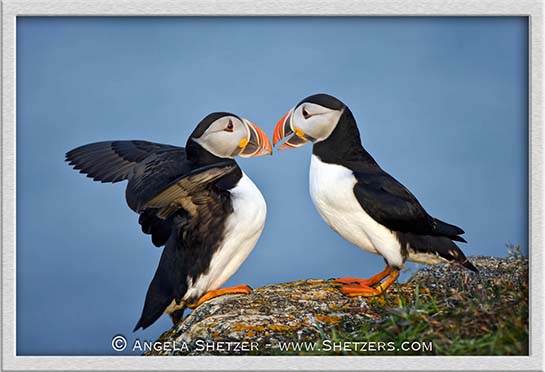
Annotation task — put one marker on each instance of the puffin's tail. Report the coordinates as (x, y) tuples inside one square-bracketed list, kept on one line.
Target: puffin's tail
[(427, 248), (447, 249), (468, 265), (447, 229)]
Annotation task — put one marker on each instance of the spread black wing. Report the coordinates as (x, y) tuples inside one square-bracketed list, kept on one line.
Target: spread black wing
[(180, 206), (149, 167), (390, 203), (113, 161)]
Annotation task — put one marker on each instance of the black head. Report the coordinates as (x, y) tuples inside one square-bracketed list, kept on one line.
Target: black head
[(324, 100)]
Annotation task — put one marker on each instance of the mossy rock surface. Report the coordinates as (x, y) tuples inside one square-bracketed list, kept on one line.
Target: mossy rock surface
[(452, 309)]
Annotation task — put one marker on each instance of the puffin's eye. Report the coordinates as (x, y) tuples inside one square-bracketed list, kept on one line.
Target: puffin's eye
[(229, 127), (306, 115)]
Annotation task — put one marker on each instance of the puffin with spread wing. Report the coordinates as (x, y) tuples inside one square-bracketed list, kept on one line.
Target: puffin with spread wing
[(194, 201), (359, 200)]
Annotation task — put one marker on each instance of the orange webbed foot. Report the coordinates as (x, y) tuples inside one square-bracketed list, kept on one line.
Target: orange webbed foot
[(355, 281), (361, 288), (239, 289), (366, 282)]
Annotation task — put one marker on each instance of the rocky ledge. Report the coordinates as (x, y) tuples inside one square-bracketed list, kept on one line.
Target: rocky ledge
[(457, 311)]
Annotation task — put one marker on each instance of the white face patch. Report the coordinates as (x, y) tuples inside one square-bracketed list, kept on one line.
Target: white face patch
[(224, 137), (315, 121)]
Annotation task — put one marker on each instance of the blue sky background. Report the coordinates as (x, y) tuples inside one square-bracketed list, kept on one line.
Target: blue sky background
[(441, 104)]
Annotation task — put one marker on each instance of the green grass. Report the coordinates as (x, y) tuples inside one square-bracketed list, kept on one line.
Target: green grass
[(491, 319), (495, 325)]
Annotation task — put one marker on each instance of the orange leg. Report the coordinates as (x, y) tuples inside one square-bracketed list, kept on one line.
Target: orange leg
[(239, 289), (368, 291), (367, 282)]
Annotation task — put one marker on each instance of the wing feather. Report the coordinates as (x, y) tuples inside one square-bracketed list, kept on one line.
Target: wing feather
[(180, 193), (112, 161), (391, 204)]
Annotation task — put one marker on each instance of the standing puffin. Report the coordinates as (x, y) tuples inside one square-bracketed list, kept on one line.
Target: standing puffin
[(194, 201), (360, 201)]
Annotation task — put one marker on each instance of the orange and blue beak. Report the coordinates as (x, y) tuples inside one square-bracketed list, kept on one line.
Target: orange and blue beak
[(256, 144), (284, 128)]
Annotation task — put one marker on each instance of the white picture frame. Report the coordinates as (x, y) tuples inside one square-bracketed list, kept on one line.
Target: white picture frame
[(530, 8)]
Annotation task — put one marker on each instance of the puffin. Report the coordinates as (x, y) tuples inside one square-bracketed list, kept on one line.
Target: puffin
[(359, 200), (195, 201)]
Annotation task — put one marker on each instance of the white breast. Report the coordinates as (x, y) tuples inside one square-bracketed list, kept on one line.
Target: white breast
[(242, 230), (332, 191)]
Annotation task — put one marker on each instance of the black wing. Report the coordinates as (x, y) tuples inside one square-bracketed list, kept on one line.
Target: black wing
[(153, 170), (390, 203), (179, 196), (162, 182), (149, 167), (180, 206), (113, 161)]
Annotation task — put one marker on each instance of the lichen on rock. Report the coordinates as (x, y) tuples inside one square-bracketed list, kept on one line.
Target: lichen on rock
[(315, 310)]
